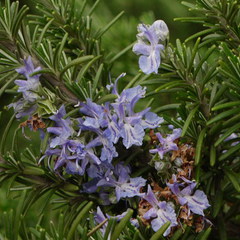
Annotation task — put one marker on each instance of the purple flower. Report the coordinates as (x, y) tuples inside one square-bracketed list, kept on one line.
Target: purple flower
[(30, 86), (26, 106), (148, 45), (131, 125), (62, 128), (167, 144), (101, 122), (96, 113), (116, 178), (70, 153), (124, 185), (99, 217), (160, 213), (196, 202), (22, 108), (117, 120), (98, 172), (108, 151), (74, 156), (231, 138), (28, 69)]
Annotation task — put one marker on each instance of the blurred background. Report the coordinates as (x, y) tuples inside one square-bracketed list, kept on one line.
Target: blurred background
[(123, 33)]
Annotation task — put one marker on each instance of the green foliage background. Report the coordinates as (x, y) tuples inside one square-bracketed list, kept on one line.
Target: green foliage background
[(199, 81)]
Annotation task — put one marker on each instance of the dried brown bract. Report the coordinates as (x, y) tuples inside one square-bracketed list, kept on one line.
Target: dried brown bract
[(185, 215), (186, 153), (199, 224), (143, 207), (153, 137), (34, 123)]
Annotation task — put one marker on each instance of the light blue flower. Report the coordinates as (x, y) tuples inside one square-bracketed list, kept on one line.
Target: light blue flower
[(160, 213), (131, 125), (116, 179), (108, 151), (196, 202), (231, 138), (125, 187), (100, 121), (148, 45), (62, 128), (27, 105), (28, 87), (72, 154), (22, 108), (99, 217), (167, 144)]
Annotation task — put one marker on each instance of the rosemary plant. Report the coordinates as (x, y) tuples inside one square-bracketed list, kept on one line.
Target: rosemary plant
[(86, 153)]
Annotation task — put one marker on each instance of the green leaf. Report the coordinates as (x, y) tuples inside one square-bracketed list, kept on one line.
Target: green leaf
[(102, 31), (107, 98), (180, 50), (42, 71), (45, 107), (76, 62), (21, 14), (61, 226), (170, 85), (43, 31), (93, 8), (204, 234), (226, 105), (212, 156), (97, 77), (231, 121), (199, 146), (178, 233), (86, 68), (230, 152), (121, 225), (77, 220), (233, 177), (167, 107), (188, 120), (35, 171), (7, 84), (5, 134), (111, 225), (17, 217), (194, 51), (227, 133), (223, 115), (44, 142), (222, 228), (9, 184), (218, 202), (204, 58), (161, 231), (58, 52), (118, 55), (199, 34)]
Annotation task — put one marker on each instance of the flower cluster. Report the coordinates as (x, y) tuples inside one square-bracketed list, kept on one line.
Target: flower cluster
[(90, 146), (148, 45), (176, 203), (107, 125), (27, 105)]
